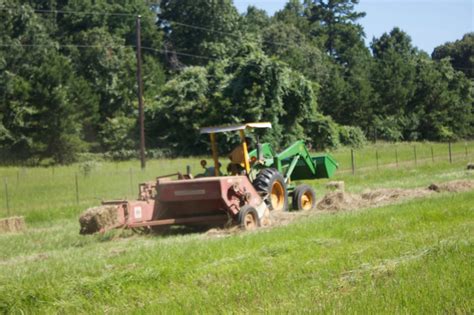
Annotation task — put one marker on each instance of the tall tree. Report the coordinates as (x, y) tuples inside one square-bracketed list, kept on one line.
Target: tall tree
[(38, 108), (208, 28), (460, 54), (335, 22), (393, 79)]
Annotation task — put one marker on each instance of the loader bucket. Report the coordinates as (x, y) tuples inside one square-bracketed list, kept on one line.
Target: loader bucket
[(326, 166)]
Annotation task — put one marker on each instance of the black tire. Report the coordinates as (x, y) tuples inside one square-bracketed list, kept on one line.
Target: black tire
[(304, 198), (270, 182), (248, 218)]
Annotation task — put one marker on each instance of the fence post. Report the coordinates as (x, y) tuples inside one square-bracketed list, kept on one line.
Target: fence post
[(353, 161), (77, 188), (432, 154), (396, 156), (7, 197), (188, 169), (377, 158), (131, 181), (450, 154), (414, 152)]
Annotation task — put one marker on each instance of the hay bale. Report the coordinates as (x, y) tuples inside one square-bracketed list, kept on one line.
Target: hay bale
[(12, 224), (453, 186), (338, 200), (95, 219), (335, 185), (470, 166)]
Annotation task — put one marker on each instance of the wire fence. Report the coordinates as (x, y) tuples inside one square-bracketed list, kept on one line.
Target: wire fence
[(72, 188)]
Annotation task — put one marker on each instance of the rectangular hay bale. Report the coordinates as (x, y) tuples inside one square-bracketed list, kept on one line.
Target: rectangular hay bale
[(12, 224)]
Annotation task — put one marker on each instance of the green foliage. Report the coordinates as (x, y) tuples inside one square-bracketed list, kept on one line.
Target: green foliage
[(217, 15), (68, 81), (251, 87), (334, 20), (117, 133), (460, 53), (352, 136), (324, 133)]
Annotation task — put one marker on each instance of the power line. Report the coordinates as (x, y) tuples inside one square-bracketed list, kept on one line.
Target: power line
[(75, 12), (178, 53), (196, 27), (202, 28), (110, 46)]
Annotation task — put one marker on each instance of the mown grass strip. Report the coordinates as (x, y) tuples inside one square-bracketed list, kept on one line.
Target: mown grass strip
[(414, 257)]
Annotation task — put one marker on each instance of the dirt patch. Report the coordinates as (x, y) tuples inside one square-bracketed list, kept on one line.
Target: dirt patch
[(97, 219), (12, 224)]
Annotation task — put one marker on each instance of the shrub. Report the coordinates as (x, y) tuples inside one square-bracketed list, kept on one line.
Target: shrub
[(352, 136)]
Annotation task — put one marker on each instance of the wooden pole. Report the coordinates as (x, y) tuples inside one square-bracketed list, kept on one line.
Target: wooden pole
[(353, 161), (77, 188), (396, 156), (377, 158), (131, 181), (414, 152), (141, 116), (450, 154), (7, 197)]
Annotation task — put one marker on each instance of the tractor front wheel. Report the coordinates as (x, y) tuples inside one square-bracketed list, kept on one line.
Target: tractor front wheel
[(270, 182), (248, 218), (304, 198)]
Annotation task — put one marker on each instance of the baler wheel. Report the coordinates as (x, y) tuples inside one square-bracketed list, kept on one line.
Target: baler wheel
[(304, 198), (271, 183), (248, 218)]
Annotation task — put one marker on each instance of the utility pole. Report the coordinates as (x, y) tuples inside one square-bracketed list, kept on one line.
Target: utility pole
[(141, 118)]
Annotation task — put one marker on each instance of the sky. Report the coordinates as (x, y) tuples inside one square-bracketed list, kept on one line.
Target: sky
[(429, 23)]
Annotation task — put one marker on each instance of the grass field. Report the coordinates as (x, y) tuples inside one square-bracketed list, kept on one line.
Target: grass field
[(412, 257), (44, 194)]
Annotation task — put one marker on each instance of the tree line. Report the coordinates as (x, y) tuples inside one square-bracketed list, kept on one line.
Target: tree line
[(68, 85)]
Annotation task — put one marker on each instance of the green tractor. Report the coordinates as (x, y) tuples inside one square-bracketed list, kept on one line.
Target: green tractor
[(272, 174)]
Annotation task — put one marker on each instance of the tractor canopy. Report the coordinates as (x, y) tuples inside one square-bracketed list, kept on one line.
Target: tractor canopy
[(241, 128), (220, 129)]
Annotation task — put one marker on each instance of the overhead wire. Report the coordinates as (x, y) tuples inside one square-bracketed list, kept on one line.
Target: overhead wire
[(235, 35), (54, 45), (202, 28)]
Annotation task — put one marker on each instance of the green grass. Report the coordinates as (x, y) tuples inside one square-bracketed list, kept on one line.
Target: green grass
[(414, 257)]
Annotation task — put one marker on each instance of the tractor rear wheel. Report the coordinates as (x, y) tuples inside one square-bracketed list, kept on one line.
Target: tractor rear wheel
[(248, 218), (271, 183), (304, 198)]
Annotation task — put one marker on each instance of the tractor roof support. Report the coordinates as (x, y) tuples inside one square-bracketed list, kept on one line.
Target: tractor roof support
[(246, 152)]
